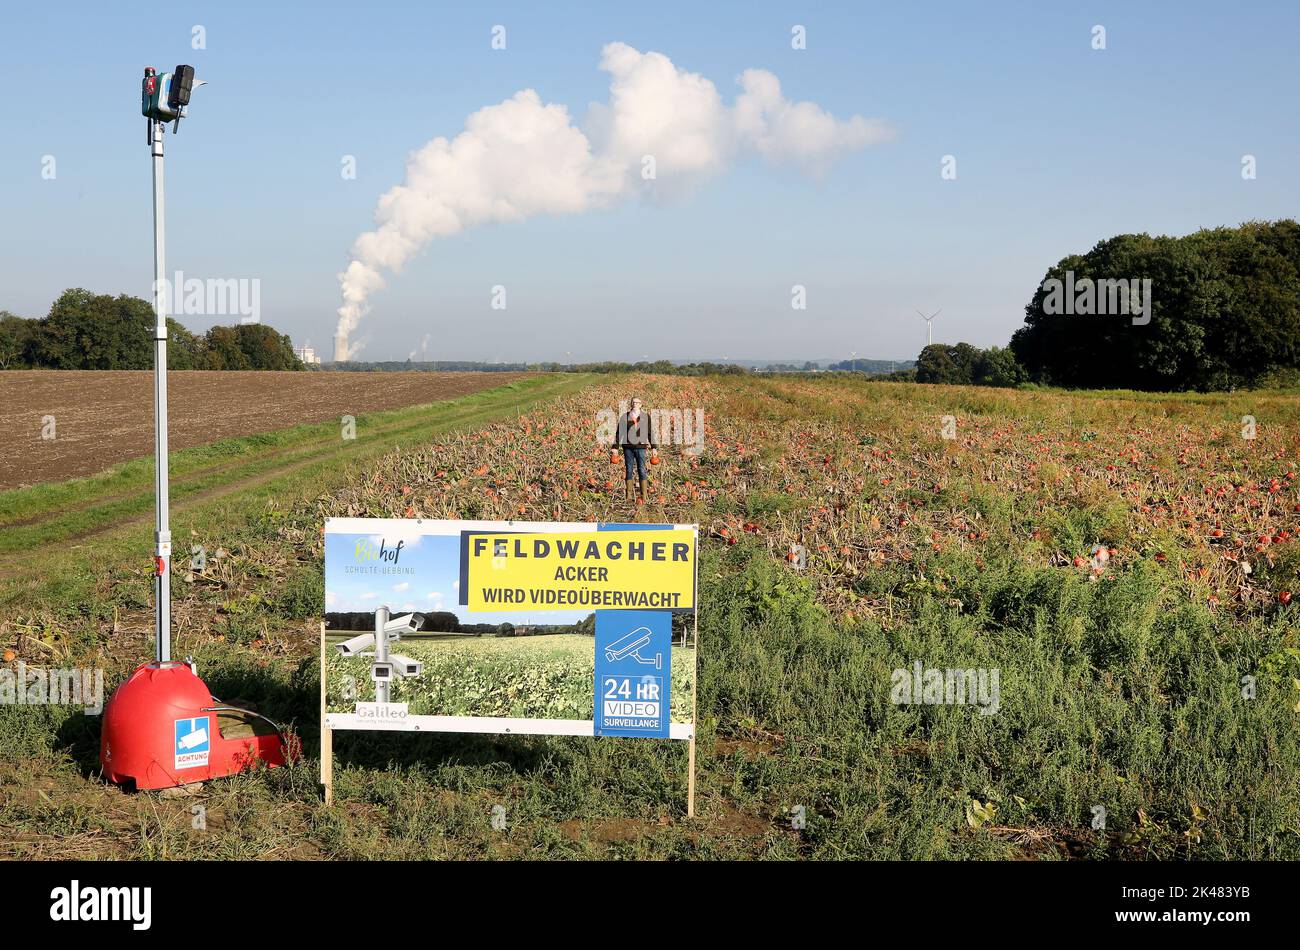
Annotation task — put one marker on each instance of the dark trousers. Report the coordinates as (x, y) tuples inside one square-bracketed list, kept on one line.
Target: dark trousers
[(634, 454)]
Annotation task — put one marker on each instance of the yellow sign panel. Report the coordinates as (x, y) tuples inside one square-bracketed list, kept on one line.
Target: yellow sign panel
[(581, 570)]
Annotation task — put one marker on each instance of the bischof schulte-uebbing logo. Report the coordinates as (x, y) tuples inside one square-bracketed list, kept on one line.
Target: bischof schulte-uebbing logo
[(373, 554), (367, 552)]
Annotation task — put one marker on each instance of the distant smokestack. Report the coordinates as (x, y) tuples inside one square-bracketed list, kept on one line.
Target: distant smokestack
[(341, 348)]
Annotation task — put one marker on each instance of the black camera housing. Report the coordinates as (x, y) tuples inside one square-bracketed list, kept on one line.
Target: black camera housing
[(182, 86)]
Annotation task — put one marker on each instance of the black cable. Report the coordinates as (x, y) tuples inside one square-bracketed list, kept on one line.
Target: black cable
[(275, 725)]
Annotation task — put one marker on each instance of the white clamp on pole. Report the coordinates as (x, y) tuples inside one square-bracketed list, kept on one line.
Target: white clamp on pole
[(162, 532)]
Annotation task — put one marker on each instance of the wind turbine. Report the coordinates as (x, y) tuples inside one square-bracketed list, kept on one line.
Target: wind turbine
[(929, 324)]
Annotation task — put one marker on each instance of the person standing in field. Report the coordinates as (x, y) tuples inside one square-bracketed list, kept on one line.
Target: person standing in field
[(636, 439)]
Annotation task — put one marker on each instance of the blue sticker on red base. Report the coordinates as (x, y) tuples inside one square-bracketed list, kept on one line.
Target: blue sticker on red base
[(193, 742)]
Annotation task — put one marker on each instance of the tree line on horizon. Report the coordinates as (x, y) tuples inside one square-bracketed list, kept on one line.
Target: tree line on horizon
[(1220, 309), (445, 621), (659, 367), (1223, 307), (84, 330)]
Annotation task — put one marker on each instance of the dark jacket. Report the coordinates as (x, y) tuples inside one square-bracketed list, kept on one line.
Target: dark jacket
[(639, 435)]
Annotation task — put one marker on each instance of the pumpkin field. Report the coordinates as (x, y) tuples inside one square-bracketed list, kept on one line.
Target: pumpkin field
[(1125, 563), (537, 677)]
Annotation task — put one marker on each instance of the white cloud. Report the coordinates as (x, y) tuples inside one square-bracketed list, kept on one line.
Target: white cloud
[(798, 132), (660, 110), (409, 534), (521, 158)]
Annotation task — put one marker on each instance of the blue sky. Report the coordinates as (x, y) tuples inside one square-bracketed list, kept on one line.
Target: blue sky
[(426, 577), (1057, 146)]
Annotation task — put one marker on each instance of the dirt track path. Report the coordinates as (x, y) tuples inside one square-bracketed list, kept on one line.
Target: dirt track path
[(250, 473)]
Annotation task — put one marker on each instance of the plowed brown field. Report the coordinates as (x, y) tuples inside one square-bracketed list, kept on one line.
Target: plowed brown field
[(105, 417)]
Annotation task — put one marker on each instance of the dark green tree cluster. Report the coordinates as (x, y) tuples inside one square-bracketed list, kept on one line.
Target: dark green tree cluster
[(438, 621), (807, 366), (1224, 312), (872, 367), (966, 365), (98, 331), (665, 368)]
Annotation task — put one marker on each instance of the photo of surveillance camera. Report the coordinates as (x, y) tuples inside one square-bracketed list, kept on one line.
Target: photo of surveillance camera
[(406, 623), (356, 645), (404, 666)]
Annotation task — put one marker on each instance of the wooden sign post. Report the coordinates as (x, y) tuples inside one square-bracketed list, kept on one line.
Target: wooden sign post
[(326, 734)]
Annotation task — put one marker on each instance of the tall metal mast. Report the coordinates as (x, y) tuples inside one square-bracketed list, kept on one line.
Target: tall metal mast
[(163, 98), (162, 528)]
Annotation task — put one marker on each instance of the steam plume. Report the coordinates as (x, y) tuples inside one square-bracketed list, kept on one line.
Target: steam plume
[(523, 158)]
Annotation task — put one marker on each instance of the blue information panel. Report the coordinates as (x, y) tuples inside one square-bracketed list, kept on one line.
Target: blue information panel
[(633, 672)]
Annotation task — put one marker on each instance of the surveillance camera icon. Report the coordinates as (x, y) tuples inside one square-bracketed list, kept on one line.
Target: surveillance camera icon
[(406, 623), (193, 740), (629, 647), (393, 630)]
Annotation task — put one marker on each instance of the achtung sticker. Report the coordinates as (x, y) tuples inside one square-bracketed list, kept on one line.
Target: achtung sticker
[(605, 570)]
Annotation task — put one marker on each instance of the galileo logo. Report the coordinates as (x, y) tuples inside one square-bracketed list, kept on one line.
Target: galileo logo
[(382, 712), (367, 552)]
